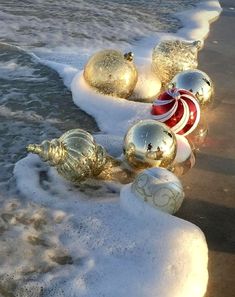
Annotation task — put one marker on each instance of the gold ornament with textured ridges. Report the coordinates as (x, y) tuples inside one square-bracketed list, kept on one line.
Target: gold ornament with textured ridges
[(173, 56), (75, 155), (198, 83), (111, 73), (149, 143)]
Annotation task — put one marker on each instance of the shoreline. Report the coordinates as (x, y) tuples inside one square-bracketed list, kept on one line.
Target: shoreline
[(209, 187)]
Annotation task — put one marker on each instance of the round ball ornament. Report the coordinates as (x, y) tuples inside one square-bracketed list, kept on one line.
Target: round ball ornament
[(149, 143), (111, 73), (75, 155), (178, 109), (198, 83), (159, 188), (173, 56)]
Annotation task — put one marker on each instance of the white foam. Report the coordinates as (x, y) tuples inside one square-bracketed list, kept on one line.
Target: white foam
[(12, 70), (196, 23), (113, 115), (119, 247), (24, 115)]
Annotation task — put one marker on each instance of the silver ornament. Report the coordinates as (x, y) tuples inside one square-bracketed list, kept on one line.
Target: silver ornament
[(197, 82), (149, 143)]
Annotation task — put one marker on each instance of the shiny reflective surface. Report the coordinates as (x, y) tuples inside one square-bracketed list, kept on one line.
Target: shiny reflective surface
[(173, 56), (178, 109), (160, 188), (112, 73), (197, 82), (75, 155), (149, 143)]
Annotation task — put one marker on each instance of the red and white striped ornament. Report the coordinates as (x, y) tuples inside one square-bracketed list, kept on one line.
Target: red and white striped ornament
[(178, 109)]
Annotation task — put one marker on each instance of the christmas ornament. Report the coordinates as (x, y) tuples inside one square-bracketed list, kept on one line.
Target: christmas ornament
[(112, 73), (148, 86), (75, 155), (197, 82), (160, 188), (149, 143), (178, 109), (172, 56)]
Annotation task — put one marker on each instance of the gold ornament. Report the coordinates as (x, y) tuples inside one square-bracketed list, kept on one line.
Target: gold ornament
[(75, 155), (160, 188), (198, 83), (149, 143), (112, 73), (173, 56)]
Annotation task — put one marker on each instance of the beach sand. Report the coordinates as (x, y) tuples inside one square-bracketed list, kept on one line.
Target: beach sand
[(210, 186)]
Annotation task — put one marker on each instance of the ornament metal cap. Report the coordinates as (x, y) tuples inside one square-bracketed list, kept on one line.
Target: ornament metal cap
[(129, 56)]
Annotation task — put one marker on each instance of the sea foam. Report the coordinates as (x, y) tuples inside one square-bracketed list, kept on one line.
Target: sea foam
[(113, 247), (105, 242)]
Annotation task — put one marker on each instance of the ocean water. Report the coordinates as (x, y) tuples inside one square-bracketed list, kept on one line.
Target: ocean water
[(50, 241)]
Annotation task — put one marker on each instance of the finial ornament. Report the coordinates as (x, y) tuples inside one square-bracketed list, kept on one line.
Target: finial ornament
[(75, 155)]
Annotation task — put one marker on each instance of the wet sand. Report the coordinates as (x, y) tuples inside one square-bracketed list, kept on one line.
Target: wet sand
[(210, 186)]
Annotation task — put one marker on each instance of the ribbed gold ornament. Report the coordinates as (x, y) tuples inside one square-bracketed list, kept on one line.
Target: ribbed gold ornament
[(112, 73), (149, 143), (75, 155), (173, 56)]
